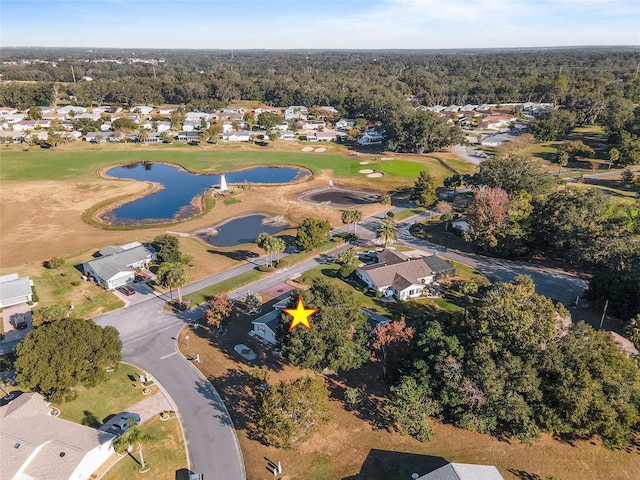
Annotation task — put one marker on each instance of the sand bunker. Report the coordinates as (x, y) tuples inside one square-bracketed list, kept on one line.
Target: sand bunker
[(307, 149), (320, 149), (364, 163), (366, 170), (375, 175)]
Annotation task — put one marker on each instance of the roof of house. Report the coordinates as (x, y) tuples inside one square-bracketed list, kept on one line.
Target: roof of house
[(26, 428), (270, 319), (464, 471), (399, 275), (13, 287), (110, 264), (400, 271)]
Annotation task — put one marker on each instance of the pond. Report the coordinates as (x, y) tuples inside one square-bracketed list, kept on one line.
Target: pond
[(178, 198), (241, 230)]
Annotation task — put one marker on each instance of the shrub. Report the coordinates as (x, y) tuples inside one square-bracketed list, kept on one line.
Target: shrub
[(265, 268), (54, 262)]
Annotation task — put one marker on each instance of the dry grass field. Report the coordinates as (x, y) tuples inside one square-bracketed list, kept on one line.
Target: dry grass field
[(355, 446), (43, 195)]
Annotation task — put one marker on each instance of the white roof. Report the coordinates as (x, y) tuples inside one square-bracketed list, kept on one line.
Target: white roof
[(13, 287)]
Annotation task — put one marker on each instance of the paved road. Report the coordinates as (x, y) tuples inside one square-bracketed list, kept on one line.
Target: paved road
[(148, 334), (551, 282)]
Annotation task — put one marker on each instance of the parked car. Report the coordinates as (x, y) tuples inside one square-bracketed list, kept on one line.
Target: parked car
[(120, 423), (126, 290)]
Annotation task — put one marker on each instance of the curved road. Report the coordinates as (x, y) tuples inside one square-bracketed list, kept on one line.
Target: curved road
[(148, 335)]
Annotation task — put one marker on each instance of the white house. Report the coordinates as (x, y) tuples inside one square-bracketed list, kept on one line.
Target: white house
[(11, 136), (345, 123), (116, 266), (13, 117), (373, 138), (288, 135), (266, 326), (196, 117), (461, 224), (295, 112), (311, 124), (35, 444), (94, 117), (236, 136), (71, 108), (143, 109), (401, 276), (189, 136), (15, 290), (464, 471), (8, 110)]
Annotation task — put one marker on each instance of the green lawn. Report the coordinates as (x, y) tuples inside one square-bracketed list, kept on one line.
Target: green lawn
[(88, 299), (328, 272), (114, 395), (433, 231), (226, 286), (81, 161), (163, 451)]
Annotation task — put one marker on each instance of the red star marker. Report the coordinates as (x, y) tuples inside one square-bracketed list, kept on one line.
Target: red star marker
[(300, 314)]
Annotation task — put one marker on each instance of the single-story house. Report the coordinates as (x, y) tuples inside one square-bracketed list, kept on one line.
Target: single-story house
[(8, 110), (464, 471), (266, 326), (288, 135), (13, 117), (98, 137), (25, 125), (71, 108), (236, 136), (371, 139), (189, 136), (143, 109), (345, 123), (295, 112), (401, 276), (36, 444), (461, 224), (496, 140), (196, 117), (15, 290), (116, 265), (11, 136), (94, 117), (311, 124)]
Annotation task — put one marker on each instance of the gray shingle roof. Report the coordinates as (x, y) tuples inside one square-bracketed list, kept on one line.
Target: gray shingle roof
[(26, 426), (411, 270), (464, 471)]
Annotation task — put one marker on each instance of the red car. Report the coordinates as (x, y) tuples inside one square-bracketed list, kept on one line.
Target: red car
[(126, 290)]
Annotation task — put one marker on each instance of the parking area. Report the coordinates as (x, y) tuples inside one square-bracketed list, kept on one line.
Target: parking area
[(16, 321), (143, 291)]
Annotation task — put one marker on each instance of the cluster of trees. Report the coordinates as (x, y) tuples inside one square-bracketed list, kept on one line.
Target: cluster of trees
[(419, 131), (356, 81), (520, 211), (271, 244), (62, 353), (506, 366), (312, 233)]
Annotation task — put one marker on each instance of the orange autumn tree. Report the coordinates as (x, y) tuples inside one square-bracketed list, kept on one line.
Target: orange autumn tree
[(392, 338)]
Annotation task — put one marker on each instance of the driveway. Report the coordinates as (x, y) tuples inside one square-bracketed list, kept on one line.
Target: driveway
[(9, 314)]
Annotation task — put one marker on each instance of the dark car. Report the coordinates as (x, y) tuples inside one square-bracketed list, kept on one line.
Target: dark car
[(126, 290), (121, 423)]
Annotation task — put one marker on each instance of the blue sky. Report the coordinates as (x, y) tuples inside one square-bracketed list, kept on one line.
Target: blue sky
[(323, 24)]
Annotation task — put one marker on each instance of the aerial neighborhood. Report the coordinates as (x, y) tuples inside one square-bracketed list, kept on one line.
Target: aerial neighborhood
[(319, 264)]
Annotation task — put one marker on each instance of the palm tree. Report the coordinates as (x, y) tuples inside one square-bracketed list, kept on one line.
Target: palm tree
[(265, 242), (173, 275), (387, 232), (143, 135), (278, 246), (133, 436), (353, 217)]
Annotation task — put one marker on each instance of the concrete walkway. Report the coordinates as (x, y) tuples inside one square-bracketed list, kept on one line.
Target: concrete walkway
[(151, 406)]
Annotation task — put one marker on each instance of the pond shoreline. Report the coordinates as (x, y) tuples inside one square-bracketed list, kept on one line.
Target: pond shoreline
[(196, 206)]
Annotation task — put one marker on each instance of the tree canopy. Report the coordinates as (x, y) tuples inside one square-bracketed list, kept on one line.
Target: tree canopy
[(339, 335), (312, 233), (57, 356), (419, 131), (513, 173), (424, 190)]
